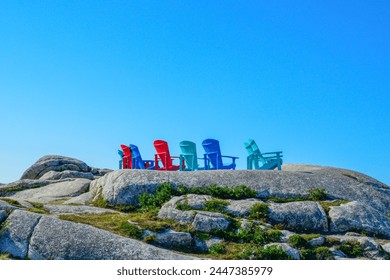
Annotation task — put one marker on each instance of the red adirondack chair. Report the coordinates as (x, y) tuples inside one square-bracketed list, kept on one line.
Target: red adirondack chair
[(127, 158), (163, 155)]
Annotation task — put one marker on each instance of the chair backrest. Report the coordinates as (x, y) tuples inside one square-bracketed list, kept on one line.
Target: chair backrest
[(127, 157), (120, 153), (254, 151), (126, 150), (188, 151), (213, 151), (137, 159), (162, 150)]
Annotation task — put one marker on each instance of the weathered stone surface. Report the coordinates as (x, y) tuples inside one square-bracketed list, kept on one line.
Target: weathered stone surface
[(124, 186), (3, 216), (22, 185), (172, 239), (15, 237), (307, 215), (318, 241), (386, 248), (355, 215), (204, 245), (169, 211), (89, 243), (6, 206), (286, 234), (55, 163), (196, 201), (99, 172), (207, 222), (290, 251), (76, 209), (338, 254), (241, 208), (57, 175), (83, 198), (54, 191)]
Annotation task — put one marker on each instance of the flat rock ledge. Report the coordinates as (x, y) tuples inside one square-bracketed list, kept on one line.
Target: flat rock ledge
[(34, 236)]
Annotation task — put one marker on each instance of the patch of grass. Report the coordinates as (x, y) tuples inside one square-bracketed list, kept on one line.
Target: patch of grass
[(183, 206), (297, 241), (100, 201), (327, 204), (287, 199), (11, 202), (318, 253), (351, 248), (317, 194), (259, 211), (239, 192), (256, 253), (5, 256), (216, 205), (388, 215), (130, 230), (217, 249), (37, 208), (153, 202)]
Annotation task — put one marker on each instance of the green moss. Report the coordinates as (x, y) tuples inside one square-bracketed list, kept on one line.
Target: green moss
[(351, 248), (37, 208), (239, 192), (327, 204), (297, 241), (99, 200), (317, 194), (5, 256), (318, 253), (11, 202), (259, 211), (388, 215), (273, 252), (217, 249), (216, 205), (288, 199)]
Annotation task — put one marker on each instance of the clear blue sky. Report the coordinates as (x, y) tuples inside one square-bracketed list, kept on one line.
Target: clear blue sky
[(310, 78)]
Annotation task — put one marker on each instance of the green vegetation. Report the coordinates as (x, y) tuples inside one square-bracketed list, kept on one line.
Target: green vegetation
[(318, 253), (217, 249), (11, 202), (297, 241), (317, 194), (273, 252), (388, 215), (239, 192), (327, 204), (287, 199), (37, 208), (5, 256), (259, 211), (183, 206), (351, 248), (216, 205)]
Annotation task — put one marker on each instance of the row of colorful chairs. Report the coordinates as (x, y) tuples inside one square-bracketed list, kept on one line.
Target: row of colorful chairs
[(188, 160)]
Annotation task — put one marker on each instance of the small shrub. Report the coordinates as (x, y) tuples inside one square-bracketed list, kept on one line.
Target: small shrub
[(217, 249), (297, 241), (183, 206), (100, 201), (259, 211), (215, 205), (130, 230), (351, 248), (150, 238), (319, 253), (273, 252), (317, 194)]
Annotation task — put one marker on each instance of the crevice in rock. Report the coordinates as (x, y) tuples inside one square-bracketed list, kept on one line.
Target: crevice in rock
[(30, 236)]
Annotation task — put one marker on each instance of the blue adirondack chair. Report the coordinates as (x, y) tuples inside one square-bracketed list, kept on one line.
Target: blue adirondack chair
[(189, 156), (120, 153), (138, 162), (269, 160), (213, 154)]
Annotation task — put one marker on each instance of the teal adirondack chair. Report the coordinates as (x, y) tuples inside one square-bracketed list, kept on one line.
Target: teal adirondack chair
[(189, 155), (213, 154), (120, 153), (269, 161)]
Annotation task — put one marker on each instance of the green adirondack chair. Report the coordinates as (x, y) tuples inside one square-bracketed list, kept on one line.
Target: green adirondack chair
[(189, 155), (269, 160)]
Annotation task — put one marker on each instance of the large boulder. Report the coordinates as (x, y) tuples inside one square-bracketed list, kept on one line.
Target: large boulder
[(54, 163), (41, 237), (125, 186), (54, 191), (14, 238), (359, 216), (83, 242), (300, 215)]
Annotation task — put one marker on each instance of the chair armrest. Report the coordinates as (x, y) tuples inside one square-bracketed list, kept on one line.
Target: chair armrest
[(230, 157), (270, 153)]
